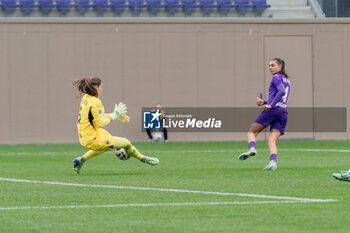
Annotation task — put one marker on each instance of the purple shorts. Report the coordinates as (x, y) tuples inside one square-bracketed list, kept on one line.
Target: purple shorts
[(274, 117)]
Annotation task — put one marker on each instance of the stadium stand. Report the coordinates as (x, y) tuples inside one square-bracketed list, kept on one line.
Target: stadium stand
[(100, 6), (154, 6), (8, 7), (63, 7), (82, 6), (27, 7), (242, 6), (136, 6), (207, 6), (259, 6), (46, 6), (118, 7), (162, 8), (224, 6), (189, 6), (172, 6)]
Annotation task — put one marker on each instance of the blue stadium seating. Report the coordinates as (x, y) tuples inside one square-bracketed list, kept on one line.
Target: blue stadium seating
[(82, 3), (100, 7), (136, 6), (27, 7), (118, 7), (153, 7), (207, 7), (171, 6), (82, 6), (46, 3), (224, 6), (189, 6), (64, 6), (8, 7), (64, 3), (46, 6), (259, 6), (242, 6)]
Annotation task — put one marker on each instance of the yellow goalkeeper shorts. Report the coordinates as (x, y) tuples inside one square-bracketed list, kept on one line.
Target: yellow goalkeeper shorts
[(103, 141)]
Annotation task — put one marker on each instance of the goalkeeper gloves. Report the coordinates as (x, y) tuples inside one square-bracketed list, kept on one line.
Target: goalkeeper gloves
[(124, 118), (119, 111)]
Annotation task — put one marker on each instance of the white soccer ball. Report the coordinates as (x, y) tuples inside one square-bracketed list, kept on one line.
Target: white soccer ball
[(121, 154), (157, 137)]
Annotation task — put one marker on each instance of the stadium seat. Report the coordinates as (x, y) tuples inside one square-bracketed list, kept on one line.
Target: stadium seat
[(153, 7), (242, 6), (64, 6), (8, 7), (27, 7), (259, 6), (136, 6), (82, 6), (207, 7), (46, 6), (189, 6), (171, 6), (118, 7), (100, 6), (225, 6)]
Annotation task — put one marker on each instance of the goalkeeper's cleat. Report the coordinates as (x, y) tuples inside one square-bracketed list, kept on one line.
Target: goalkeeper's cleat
[(252, 152), (150, 160), (342, 177), (77, 164), (271, 166)]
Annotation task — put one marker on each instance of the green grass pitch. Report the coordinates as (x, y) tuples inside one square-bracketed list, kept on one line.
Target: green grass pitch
[(197, 187)]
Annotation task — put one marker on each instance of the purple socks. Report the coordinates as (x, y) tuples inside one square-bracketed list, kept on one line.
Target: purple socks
[(273, 157), (251, 144)]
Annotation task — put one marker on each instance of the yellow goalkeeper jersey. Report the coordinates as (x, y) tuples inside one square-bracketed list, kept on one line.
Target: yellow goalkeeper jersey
[(91, 110)]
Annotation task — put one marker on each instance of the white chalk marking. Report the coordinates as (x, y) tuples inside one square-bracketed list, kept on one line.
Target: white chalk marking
[(149, 205), (172, 190)]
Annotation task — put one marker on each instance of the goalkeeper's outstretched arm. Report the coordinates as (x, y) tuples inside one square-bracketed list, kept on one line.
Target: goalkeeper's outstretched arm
[(103, 122), (119, 113)]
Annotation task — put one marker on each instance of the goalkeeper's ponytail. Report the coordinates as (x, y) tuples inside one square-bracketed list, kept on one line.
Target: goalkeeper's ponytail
[(87, 85)]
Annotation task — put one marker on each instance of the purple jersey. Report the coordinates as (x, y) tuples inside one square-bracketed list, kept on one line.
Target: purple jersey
[(278, 91)]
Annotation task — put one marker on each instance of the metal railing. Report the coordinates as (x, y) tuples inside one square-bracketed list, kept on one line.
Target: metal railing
[(316, 8)]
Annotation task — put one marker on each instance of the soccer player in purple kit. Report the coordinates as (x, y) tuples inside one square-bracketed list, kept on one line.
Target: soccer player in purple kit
[(275, 113)]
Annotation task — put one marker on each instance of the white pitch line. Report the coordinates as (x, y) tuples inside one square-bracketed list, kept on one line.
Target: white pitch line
[(174, 151), (172, 190), (150, 205)]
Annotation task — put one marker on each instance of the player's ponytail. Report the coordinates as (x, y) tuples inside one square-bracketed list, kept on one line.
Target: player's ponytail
[(281, 62), (87, 85)]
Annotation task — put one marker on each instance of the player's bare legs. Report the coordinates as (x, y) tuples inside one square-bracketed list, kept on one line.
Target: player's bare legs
[(271, 143), (253, 132)]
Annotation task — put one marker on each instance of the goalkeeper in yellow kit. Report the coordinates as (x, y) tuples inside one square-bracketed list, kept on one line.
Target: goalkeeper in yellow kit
[(91, 121)]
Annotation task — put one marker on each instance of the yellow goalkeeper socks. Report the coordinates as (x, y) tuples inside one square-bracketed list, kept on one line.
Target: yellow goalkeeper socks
[(91, 153)]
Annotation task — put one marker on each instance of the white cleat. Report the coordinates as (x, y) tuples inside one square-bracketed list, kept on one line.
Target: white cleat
[(271, 166), (150, 160), (252, 152)]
